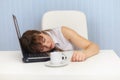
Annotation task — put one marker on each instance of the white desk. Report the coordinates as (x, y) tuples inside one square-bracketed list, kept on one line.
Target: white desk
[(104, 66)]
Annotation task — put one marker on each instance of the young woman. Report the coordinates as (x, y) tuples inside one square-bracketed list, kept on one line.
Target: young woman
[(59, 39)]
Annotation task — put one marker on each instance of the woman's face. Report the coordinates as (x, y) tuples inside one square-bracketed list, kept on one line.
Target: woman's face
[(47, 43)]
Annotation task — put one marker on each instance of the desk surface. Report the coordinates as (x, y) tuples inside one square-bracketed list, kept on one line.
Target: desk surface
[(105, 65)]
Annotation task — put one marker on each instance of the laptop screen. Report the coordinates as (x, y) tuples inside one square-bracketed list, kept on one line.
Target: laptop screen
[(24, 52)]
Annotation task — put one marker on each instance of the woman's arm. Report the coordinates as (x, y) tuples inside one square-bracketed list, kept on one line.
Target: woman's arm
[(88, 48)]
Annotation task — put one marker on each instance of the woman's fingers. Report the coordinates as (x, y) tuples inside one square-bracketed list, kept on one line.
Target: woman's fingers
[(73, 57), (78, 57)]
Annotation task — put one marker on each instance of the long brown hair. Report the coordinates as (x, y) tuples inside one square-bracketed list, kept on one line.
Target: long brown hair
[(29, 41)]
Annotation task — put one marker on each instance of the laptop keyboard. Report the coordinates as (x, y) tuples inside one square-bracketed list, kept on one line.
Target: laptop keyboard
[(38, 55)]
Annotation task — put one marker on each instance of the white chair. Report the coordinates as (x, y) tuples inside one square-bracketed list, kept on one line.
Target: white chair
[(73, 19)]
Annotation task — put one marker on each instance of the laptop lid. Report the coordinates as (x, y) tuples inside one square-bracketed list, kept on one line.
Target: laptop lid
[(19, 35)]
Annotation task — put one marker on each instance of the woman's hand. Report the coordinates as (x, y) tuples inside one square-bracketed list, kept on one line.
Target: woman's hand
[(78, 56)]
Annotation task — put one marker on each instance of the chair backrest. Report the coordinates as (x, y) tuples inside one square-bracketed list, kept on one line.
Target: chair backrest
[(73, 19)]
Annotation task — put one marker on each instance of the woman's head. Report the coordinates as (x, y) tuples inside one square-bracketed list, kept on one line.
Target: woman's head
[(37, 41)]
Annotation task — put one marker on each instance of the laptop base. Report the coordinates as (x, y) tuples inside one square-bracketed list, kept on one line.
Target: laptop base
[(30, 60)]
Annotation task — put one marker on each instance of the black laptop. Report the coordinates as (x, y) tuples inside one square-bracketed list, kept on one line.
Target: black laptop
[(29, 57)]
